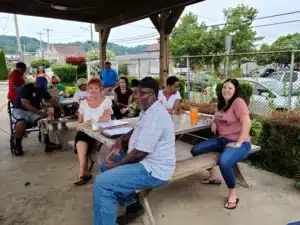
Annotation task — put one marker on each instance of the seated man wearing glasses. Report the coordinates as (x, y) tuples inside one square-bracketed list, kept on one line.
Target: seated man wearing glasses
[(149, 162)]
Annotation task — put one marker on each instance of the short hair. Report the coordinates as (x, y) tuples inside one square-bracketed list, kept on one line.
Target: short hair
[(172, 80), (135, 83), (21, 65), (95, 81), (54, 77), (149, 82)]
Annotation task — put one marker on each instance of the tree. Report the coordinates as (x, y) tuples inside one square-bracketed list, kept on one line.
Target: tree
[(95, 55), (3, 67), (191, 38), (282, 43), (40, 62)]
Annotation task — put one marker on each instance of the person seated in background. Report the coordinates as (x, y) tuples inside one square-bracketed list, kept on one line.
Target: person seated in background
[(81, 93), (232, 126), (96, 108), (41, 73), (149, 162), (170, 96), (15, 80), (57, 90), (122, 98), (27, 110)]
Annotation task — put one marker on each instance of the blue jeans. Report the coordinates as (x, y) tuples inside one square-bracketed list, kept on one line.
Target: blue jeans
[(117, 185), (228, 158)]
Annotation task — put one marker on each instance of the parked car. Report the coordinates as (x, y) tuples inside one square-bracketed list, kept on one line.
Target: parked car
[(265, 72), (268, 95), (284, 77)]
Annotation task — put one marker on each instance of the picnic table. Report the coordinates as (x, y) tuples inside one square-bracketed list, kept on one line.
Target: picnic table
[(182, 125)]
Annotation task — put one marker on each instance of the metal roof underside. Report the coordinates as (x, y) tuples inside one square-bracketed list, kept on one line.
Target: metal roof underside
[(105, 12)]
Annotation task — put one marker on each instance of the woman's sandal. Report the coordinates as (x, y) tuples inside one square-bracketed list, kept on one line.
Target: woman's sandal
[(83, 180), (214, 182), (227, 204)]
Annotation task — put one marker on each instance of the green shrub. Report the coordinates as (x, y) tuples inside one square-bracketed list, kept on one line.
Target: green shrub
[(3, 67), (280, 149), (246, 91), (40, 62), (123, 69), (66, 73)]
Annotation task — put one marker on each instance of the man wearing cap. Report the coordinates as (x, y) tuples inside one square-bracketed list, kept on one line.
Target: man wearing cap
[(16, 80), (109, 77), (27, 109), (149, 162)]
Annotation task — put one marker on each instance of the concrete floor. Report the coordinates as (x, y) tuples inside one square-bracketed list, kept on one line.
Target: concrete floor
[(51, 198)]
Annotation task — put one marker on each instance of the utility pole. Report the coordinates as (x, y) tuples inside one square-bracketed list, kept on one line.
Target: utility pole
[(41, 44), (91, 30), (20, 53), (92, 39), (48, 30)]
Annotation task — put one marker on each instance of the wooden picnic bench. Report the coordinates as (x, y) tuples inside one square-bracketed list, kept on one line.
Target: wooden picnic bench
[(188, 167)]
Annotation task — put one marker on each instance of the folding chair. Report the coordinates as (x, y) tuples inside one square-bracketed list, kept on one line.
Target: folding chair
[(12, 123)]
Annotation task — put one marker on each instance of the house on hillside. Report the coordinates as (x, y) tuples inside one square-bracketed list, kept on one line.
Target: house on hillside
[(142, 64), (57, 53)]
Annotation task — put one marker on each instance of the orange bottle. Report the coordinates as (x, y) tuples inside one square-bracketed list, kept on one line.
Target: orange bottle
[(194, 115)]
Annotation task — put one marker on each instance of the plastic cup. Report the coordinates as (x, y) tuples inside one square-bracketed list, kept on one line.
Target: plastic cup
[(194, 117)]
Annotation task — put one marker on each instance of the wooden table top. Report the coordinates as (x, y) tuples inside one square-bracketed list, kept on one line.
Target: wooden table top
[(181, 122)]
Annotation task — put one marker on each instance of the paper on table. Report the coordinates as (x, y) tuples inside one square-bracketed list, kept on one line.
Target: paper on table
[(112, 123), (117, 131)]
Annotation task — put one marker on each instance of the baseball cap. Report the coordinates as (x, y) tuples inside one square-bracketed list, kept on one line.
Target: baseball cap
[(81, 81), (149, 82), (42, 82)]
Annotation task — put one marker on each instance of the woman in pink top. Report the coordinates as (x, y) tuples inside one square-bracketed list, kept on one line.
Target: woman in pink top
[(231, 126)]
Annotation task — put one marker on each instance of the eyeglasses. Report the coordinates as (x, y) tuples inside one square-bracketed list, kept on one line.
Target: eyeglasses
[(140, 93), (55, 82)]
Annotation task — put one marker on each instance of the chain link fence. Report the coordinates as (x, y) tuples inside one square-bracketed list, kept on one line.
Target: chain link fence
[(274, 76)]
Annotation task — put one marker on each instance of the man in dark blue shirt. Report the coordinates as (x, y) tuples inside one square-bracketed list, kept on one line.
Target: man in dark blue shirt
[(109, 77), (27, 109)]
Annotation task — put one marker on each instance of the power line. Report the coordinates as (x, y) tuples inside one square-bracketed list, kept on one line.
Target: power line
[(258, 18), (272, 24), (135, 37)]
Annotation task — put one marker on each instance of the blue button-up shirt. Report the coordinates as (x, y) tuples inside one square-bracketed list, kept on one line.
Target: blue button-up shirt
[(108, 77)]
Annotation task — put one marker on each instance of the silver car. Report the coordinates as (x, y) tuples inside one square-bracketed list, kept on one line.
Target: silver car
[(284, 77)]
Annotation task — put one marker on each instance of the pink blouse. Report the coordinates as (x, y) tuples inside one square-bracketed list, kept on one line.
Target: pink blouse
[(228, 123)]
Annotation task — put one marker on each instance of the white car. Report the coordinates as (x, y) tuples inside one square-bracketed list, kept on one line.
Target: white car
[(268, 95)]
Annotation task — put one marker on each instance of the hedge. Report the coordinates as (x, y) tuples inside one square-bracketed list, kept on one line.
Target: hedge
[(280, 147), (66, 73), (246, 91), (40, 62)]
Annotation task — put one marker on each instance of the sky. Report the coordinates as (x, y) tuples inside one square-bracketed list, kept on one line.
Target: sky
[(209, 11)]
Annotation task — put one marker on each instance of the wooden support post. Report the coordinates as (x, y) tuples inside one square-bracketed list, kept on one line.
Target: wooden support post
[(103, 37), (164, 22)]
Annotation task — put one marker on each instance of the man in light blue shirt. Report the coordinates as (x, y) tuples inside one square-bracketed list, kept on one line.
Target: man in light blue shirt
[(108, 76), (149, 162)]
